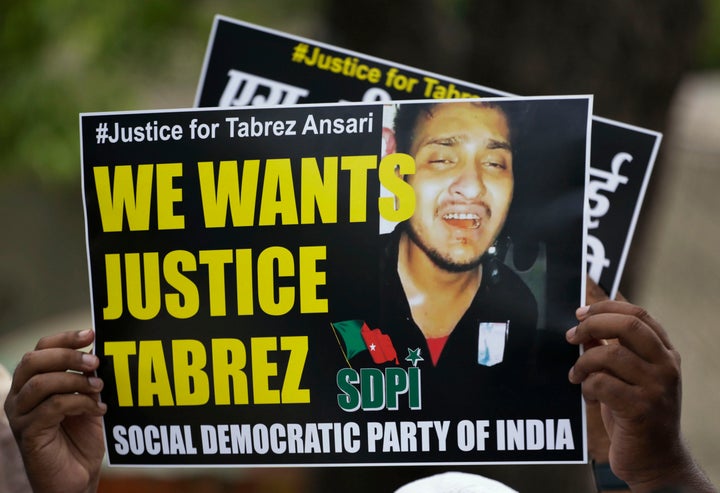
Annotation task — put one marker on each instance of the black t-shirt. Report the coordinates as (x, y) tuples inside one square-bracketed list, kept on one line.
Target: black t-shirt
[(459, 386)]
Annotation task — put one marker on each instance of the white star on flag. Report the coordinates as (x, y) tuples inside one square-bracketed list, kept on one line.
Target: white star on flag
[(371, 347)]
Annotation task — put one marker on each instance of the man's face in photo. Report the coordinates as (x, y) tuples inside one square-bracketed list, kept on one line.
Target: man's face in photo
[(463, 182)]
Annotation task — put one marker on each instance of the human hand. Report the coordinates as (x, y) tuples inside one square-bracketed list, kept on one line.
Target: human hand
[(55, 414), (637, 381), (598, 440)]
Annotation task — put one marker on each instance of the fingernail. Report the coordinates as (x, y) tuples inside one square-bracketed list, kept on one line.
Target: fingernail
[(582, 311), (571, 375), (102, 406), (89, 359), (95, 382), (85, 333), (570, 333), (575, 376)]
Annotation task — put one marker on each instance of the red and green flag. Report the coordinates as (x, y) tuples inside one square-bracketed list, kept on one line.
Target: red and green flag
[(358, 337)]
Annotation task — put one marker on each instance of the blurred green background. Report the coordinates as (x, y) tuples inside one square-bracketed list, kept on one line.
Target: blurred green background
[(63, 57)]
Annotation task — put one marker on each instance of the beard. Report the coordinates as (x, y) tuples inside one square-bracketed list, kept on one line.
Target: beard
[(443, 261)]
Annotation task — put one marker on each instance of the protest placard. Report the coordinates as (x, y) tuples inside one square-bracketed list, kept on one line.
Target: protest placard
[(285, 69), (248, 311)]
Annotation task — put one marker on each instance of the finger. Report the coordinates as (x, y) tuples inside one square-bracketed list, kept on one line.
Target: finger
[(594, 294), (54, 410), (611, 306), (41, 387), (586, 339), (593, 343), (614, 359), (52, 360), (609, 390), (74, 339), (630, 332)]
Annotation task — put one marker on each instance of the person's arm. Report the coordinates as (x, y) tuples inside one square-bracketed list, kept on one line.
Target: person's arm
[(638, 385), (55, 414)]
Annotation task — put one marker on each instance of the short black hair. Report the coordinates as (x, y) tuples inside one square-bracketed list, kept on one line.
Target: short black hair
[(407, 116)]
